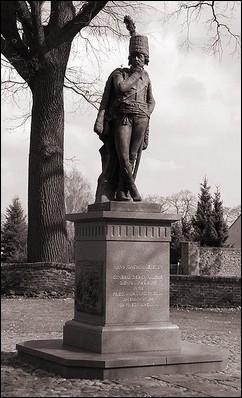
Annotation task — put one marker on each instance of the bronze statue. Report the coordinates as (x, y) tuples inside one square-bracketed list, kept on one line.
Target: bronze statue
[(123, 122)]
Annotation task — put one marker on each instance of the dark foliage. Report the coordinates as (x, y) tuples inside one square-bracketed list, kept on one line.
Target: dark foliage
[(202, 222), (220, 225), (209, 227), (14, 234)]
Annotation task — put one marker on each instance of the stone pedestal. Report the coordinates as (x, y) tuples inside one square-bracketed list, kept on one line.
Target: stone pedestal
[(122, 280), (121, 323)]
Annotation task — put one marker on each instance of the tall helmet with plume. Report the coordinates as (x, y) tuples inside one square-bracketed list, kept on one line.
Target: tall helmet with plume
[(137, 42)]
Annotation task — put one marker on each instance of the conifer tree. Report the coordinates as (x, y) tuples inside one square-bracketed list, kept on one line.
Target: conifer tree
[(14, 233), (202, 222), (220, 225), (176, 239)]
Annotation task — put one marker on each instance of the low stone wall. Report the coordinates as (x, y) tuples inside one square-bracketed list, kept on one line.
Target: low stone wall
[(38, 279), (221, 261), (204, 291), (58, 280), (210, 261)]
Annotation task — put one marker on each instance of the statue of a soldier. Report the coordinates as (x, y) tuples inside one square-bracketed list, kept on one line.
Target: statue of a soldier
[(123, 122)]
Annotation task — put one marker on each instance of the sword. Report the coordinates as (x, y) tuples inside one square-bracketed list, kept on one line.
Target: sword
[(136, 166)]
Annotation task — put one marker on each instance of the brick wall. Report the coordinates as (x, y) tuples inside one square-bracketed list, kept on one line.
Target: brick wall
[(205, 291), (38, 279), (58, 280)]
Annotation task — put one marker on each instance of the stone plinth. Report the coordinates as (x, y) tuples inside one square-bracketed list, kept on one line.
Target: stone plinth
[(122, 280), (121, 326), (71, 362)]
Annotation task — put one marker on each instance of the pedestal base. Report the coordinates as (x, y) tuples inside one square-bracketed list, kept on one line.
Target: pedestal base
[(122, 338), (70, 362)]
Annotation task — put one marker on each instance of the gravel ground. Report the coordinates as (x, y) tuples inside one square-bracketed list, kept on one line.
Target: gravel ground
[(37, 319)]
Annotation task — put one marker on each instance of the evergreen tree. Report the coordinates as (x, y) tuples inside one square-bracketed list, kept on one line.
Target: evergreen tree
[(14, 233), (220, 225), (176, 239), (202, 222), (187, 229)]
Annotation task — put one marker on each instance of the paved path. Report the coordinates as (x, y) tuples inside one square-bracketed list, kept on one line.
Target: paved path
[(23, 380), (21, 322)]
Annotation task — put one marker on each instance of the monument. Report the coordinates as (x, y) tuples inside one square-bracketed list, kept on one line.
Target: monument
[(121, 326)]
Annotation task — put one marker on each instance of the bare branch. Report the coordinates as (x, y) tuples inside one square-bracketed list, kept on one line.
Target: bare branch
[(24, 17), (82, 94), (38, 28), (61, 13), (184, 203), (219, 23), (20, 64), (81, 20), (9, 30), (73, 160), (86, 90), (22, 121), (12, 82)]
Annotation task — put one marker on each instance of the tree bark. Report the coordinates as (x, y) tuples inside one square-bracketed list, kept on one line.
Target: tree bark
[(47, 237)]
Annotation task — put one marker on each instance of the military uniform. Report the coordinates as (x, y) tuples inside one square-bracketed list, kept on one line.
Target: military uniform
[(125, 110)]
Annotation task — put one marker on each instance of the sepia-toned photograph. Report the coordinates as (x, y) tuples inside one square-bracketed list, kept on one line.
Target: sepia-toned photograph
[(121, 199)]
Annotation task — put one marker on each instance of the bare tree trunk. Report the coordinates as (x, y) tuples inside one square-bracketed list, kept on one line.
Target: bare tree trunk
[(47, 237)]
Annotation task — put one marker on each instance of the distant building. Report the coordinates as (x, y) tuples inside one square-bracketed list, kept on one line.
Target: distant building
[(234, 238)]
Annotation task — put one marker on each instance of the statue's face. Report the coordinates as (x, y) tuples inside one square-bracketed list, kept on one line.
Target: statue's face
[(137, 59)]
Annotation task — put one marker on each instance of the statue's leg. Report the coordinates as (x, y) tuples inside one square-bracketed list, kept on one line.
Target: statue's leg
[(112, 166), (123, 133), (122, 190), (106, 186), (139, 128)]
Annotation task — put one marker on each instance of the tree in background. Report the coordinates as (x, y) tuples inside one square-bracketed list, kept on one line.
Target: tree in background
[(176, 238), (202, 222), (220, 225), (14, 233), (78, 195), (183, 203), (161, 200), (78, 192), (210, 228)]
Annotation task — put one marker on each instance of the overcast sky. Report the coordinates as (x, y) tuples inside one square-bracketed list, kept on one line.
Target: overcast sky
[(194, 129)]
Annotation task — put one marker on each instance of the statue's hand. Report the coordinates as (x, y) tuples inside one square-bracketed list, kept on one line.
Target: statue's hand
[(138, 69), (98, 127), (145, 145)]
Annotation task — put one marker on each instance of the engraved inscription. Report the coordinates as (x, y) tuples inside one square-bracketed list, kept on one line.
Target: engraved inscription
[(88, 294), (137, 285)]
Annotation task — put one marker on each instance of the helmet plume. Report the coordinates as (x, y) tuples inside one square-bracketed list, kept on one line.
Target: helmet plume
[(130, 25)]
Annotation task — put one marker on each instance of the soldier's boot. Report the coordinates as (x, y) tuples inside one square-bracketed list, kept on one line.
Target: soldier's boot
[(122, 191), (135, 193), (131, 185)]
